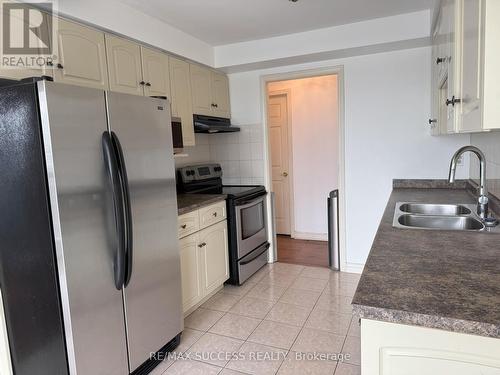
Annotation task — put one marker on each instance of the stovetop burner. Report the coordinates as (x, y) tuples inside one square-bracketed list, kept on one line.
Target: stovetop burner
[(207, 179)]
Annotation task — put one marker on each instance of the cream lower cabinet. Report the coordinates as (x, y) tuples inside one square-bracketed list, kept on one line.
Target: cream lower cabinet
[(190, 271), (397, 349), (82, 56), (204, 254), (214, 256)]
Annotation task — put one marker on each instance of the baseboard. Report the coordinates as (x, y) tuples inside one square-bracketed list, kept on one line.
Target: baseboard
[(353, 267), (310, 236)]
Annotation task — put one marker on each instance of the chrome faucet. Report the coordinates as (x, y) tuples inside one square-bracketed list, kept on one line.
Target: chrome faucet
[(482, 202)]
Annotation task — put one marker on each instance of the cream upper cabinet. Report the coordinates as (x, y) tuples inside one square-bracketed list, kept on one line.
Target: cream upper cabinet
[(210, 92), (220, 94), (479, 94), (214, 256), (82, 56), (180, 87), (190, 271), (155, 73), (466, 87), (201, 86), (124, 65)]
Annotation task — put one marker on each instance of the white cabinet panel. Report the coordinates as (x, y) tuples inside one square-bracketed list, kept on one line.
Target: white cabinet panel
[(82, 55), (188, 224), (214, 256), (190, 271), (180, 86), (220, 95), (201, 86), (212, 214), (156, 74), (397, 349), (124, 65)]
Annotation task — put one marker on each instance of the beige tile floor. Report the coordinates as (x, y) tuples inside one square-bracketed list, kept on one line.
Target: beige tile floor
[(273, 324)]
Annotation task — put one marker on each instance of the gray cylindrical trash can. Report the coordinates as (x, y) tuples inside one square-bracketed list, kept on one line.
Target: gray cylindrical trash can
[(333, 230)]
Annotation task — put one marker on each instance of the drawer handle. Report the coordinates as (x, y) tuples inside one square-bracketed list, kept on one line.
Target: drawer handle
[(215, 214), (184, 226), (202, 245)]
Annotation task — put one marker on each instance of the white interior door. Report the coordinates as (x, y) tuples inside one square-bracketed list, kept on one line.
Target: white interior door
[(278, 141)]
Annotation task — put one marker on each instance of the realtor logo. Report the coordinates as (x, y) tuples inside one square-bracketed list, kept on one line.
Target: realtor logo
[(27, 34)]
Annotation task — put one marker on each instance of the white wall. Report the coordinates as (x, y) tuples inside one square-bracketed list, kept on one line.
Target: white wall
[(489, 143), (387, 104), (314, 127), (122, 19)]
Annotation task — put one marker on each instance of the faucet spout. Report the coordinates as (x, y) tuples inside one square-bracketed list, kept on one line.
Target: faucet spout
[(482, 205)]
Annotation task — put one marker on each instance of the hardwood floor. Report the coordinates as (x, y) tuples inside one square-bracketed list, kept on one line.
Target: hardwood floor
[(307, 253)]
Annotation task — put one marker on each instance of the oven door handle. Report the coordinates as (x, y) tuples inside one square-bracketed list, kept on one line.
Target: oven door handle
[(249, 202), (256, 256)]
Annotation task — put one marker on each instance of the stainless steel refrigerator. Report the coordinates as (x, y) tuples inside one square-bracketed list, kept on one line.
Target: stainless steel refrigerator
[(89, 261)]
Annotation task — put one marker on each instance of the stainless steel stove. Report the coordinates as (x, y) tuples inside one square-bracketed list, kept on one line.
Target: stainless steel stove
[(247, 217)]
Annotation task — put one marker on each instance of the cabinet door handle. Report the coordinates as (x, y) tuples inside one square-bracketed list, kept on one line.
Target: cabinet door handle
[(432, 121), (440, 60), (202, 245), (148, 84), (216, 105), (50, 63), (213, 105), (215, 214), (184, 226), (59, 66), (142, 83), (452, 101)]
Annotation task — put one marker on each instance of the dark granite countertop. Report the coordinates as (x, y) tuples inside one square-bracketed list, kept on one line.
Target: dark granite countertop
[(439, 279), (190, 202)]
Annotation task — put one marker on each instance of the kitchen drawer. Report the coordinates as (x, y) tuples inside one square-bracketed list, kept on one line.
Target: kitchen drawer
[(212, 214), (188, 224)]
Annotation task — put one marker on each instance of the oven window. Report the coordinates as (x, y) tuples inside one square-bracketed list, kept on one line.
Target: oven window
[(252, 220)]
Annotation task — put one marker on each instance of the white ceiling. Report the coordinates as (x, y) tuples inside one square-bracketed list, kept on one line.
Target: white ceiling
[(219, 22)]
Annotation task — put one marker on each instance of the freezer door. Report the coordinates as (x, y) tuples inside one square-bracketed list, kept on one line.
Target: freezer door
[(153, 295), (73, 121)]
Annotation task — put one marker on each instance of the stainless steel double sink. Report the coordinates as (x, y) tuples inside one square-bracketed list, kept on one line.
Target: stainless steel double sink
[(437, 217)]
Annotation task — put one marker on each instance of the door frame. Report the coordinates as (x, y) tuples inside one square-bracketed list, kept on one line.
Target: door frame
[(291, 202), (308, 73)]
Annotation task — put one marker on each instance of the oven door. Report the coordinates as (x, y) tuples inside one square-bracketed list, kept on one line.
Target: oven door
[(251, 228)]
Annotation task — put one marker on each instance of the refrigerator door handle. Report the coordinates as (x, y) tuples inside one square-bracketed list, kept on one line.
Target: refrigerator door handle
[(111, 164), (126, 204)]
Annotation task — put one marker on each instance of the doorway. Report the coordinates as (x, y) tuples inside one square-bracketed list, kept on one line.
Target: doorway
[(304, 163)]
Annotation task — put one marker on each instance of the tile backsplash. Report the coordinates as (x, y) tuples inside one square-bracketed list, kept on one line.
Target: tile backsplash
[(240, 154), (489, 143)]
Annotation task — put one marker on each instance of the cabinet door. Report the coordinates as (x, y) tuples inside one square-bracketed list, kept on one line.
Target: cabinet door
[(36, 71), (201, 88), (469, 41), (434, 117), (190, 271), (180, 87), (214, 256), (82, 55), (124, 65), (156, 73), (451, 67), (220, 95)]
